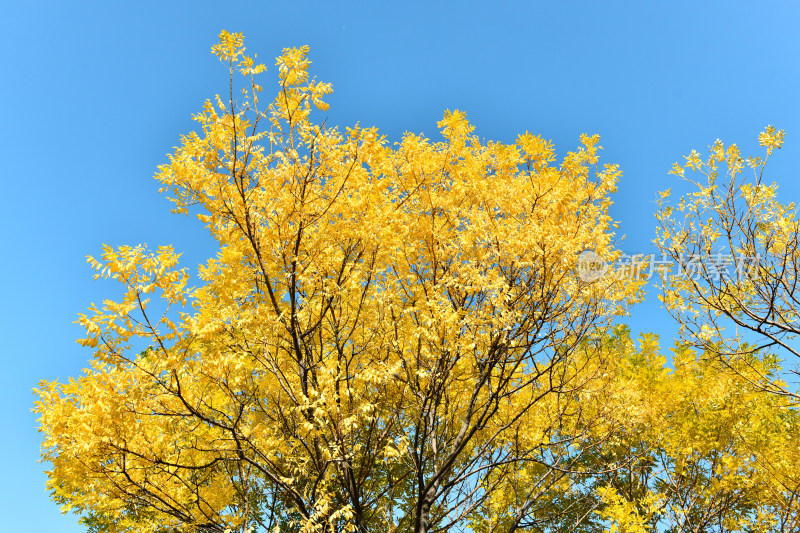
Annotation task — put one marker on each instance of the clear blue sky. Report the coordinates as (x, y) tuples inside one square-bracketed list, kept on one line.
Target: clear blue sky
[(95, 94)]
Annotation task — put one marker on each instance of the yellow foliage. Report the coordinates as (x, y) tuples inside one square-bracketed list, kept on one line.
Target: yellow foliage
[(389, 336)]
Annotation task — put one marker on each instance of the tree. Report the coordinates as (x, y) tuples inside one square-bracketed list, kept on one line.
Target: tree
[(699, 448), (735, 293), (401, 338), (388, 336), (735, 298)]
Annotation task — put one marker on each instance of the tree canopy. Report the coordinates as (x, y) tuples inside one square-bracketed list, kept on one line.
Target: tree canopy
[(397, 337)]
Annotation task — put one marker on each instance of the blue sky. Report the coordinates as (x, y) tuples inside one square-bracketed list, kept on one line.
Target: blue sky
[(96, 94)]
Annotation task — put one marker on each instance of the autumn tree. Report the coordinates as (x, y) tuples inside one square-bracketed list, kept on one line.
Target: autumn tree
[(699, 448), (398, 337), (735, 291), (391, 337), (734, 294)]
